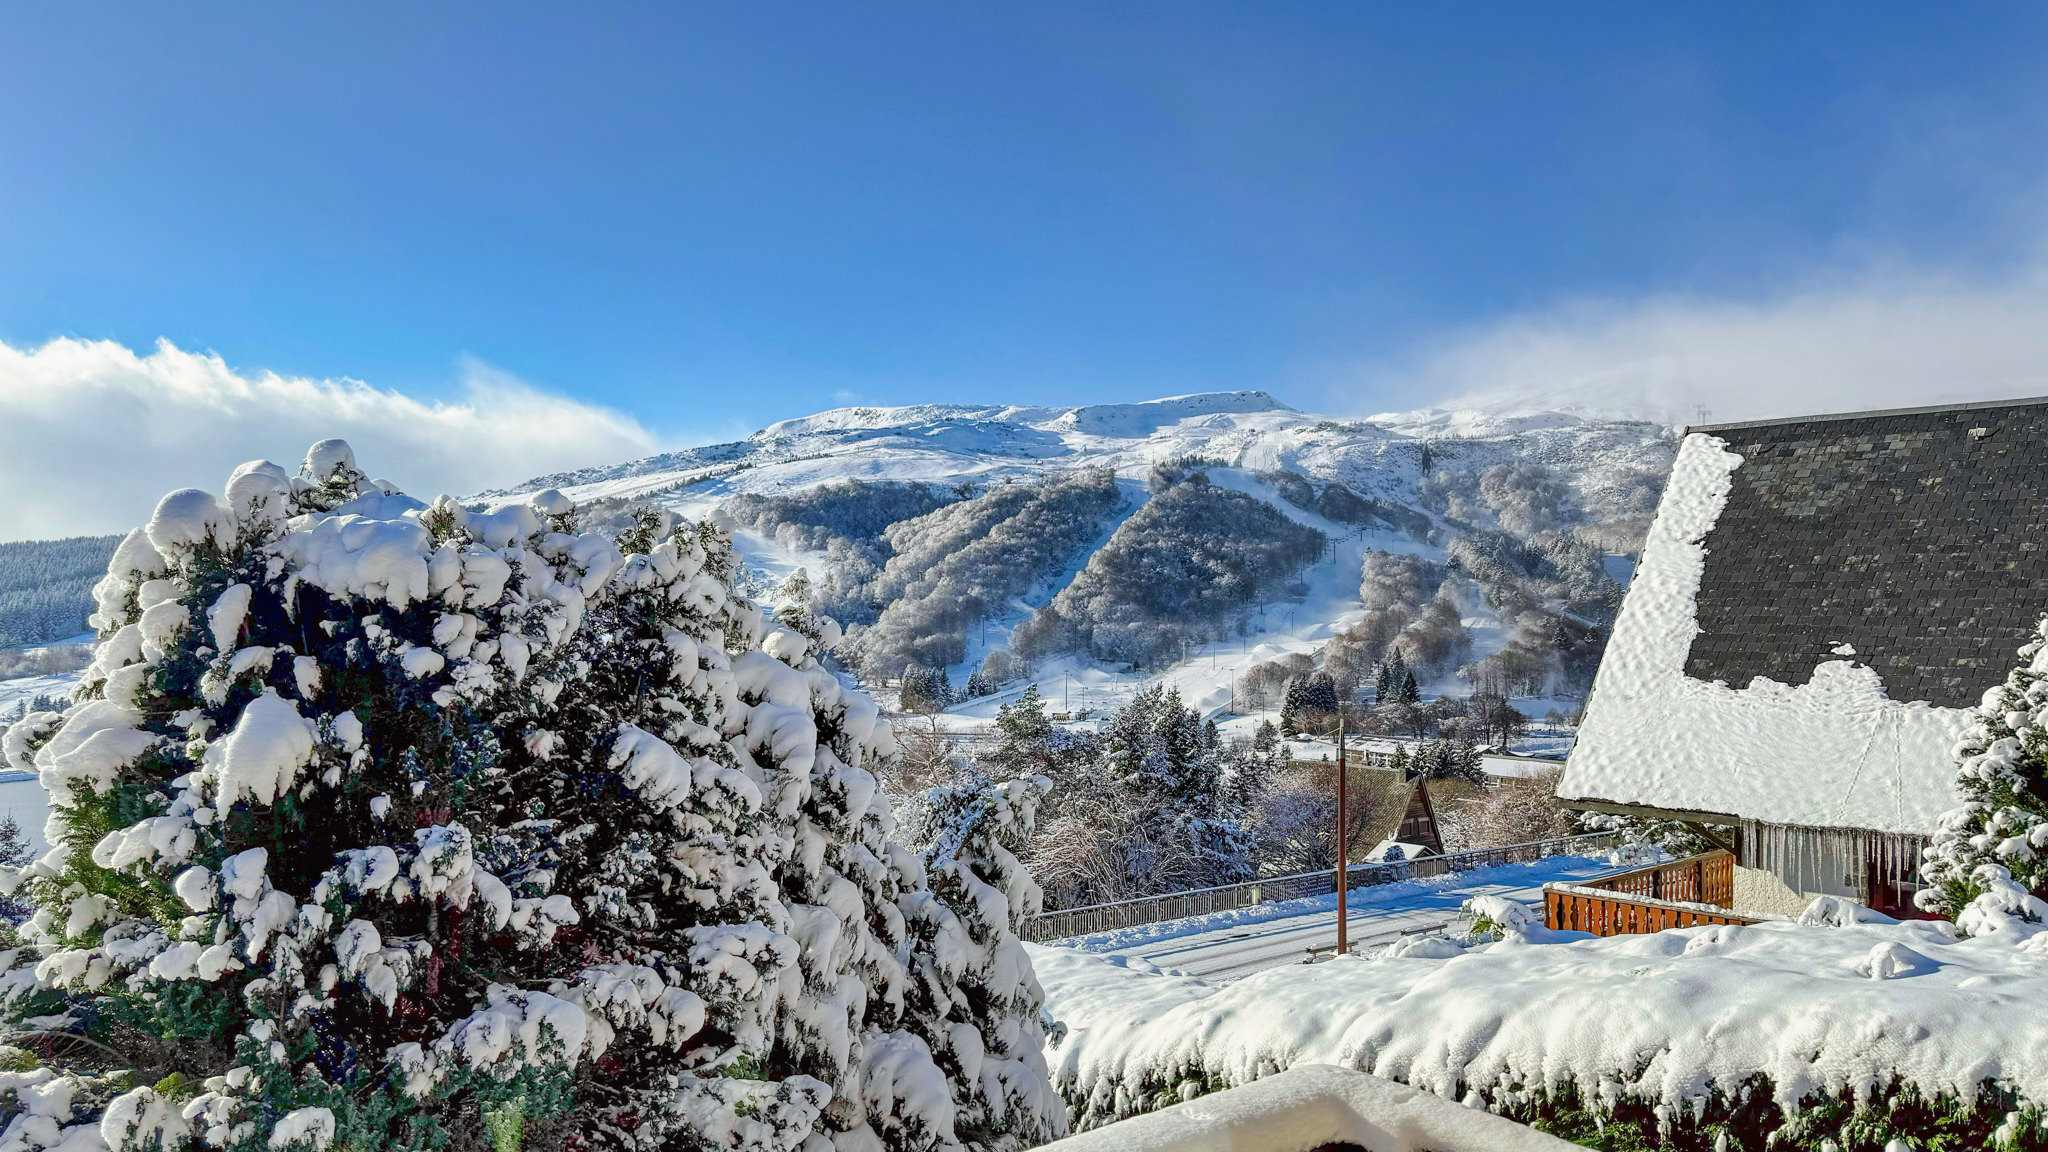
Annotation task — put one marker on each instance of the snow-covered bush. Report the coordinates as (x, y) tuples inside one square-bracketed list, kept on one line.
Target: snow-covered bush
[(1855, 1034), (380, 825), (972, 976), (1997, 835)]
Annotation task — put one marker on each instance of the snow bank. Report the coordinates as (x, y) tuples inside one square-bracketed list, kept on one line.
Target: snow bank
[(1655, 736), (1816, 1009), (1313, 1106)]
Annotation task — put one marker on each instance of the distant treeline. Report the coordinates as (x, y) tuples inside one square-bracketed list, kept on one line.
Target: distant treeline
[(46, 587)]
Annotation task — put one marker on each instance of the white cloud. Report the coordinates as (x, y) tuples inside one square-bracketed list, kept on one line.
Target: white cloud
[(1876, 339), (94, 433)]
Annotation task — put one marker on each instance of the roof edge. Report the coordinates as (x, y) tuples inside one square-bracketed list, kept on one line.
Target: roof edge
[(1872, 414)]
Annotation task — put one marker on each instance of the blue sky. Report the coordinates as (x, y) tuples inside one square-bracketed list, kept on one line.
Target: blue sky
[(711, 216)]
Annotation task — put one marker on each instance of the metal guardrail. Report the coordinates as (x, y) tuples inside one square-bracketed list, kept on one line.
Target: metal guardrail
[(1061, 923)]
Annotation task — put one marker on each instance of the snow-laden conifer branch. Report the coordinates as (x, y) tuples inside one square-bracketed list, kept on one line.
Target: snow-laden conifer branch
[(384, 824)]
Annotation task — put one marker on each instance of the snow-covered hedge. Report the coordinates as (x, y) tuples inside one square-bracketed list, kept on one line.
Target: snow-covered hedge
[(1781, 1027), (384, 825), (1315, 1106)]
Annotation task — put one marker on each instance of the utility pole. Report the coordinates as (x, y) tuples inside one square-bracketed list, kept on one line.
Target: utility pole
[(1343, 857)]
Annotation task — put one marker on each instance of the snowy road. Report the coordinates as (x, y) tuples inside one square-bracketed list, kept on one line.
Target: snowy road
[(1229, 945)]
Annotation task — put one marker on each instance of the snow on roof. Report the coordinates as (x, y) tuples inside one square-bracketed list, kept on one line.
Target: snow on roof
[(1907, 537), (1836, 751), (1409, 851)]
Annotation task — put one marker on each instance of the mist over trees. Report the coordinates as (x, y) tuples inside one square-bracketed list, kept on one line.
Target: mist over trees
[(46, 587), (1182, 568)]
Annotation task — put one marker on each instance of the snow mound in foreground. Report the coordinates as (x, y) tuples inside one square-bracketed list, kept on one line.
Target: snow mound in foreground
[(1667, 1020)]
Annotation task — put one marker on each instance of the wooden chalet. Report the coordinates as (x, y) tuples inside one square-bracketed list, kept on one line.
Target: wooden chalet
[(1820, 604)]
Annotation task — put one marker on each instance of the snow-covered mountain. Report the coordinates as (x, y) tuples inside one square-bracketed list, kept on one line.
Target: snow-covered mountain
[(1382, 457), (1413, 482)]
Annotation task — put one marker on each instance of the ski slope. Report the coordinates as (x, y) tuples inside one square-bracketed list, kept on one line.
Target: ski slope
[(1237, 438), (1227, 946)]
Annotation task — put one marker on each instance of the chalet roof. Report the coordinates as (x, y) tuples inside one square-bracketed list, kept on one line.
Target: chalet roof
[(1918, 537), (1379, 799), (1819, 604)]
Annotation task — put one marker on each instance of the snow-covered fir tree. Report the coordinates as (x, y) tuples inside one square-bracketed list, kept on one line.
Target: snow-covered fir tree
[(1252, 764), (15, 852), (924, 689), (379, 825), (973, 983), (1167, 768), (1997, 835)]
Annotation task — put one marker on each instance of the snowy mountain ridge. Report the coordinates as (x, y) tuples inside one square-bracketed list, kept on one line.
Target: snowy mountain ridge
[(1381, 457), (1415, 482)]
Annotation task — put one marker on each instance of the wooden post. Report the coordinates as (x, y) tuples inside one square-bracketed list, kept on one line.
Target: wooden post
[(1343, 857)]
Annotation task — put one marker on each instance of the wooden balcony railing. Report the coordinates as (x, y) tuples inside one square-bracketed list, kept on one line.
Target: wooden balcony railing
[(1681, 894), (1708, 878)]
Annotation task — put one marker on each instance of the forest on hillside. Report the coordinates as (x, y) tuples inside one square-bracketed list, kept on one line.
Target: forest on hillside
[(1182, 569), (46, 587)]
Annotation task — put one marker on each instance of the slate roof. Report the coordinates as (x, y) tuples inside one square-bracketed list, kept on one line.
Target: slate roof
[(1920, 537)]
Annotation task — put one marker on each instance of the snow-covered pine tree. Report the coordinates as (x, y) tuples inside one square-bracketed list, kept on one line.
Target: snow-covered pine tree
[(1290, 706), (1409, 692), (15, 852), (327, 870), (924, 689), (1401, 761), (1253, 764), (1997, 835), (975, 998), (1167, 771), (401, 827)]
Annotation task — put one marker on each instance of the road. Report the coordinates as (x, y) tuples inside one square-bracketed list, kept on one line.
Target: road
[(1376, 917)]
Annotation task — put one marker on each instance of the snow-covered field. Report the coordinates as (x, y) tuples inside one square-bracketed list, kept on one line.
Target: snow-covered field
[(17, 692), (1667, 1018), (1224, 946)]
